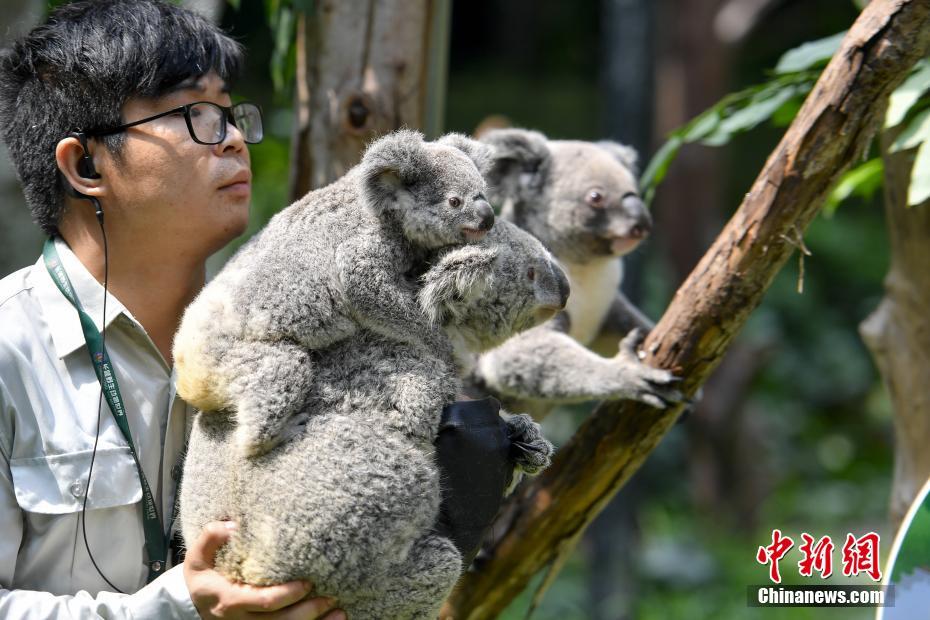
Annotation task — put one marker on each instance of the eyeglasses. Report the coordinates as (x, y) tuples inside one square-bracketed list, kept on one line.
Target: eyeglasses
[(206, 122)]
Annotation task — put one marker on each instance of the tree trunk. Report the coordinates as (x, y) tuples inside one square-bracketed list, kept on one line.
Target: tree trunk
[(830, 132), (364, 68), (898, 331)]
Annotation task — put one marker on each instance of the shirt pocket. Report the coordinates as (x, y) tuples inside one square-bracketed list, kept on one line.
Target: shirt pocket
[(56, 484)]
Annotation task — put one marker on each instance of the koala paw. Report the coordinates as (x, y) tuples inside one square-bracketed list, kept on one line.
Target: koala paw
[(529, 450), (653, 386)]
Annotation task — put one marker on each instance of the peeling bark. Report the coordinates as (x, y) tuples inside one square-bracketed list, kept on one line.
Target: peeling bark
[(829, 133)]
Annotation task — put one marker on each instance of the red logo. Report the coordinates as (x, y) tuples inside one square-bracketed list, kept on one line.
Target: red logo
[(860, 555)]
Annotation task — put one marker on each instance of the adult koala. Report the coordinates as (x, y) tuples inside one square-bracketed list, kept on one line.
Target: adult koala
[(335, 261), (349, 501), (581, 200)]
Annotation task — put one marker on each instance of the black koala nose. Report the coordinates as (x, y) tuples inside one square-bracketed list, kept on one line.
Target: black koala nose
[(636, 210), (486, 213), (564, 287)]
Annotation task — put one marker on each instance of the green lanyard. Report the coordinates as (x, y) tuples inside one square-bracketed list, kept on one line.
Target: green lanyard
[(155, 539)]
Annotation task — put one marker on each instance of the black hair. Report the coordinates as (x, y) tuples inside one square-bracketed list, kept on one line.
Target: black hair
[(77, 70)]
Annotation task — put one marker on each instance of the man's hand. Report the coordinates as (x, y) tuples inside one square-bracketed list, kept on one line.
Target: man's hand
[(214, 596)]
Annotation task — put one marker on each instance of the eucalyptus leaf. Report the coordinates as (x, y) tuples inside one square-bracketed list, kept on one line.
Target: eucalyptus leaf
[(760, 109), (809, 54), (283, 41), (917, 131), (906, 95), (862, 181), (234, 4), (658, 166), (918, 192)]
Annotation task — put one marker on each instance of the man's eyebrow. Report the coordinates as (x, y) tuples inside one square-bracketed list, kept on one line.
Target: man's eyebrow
[(192, 83)]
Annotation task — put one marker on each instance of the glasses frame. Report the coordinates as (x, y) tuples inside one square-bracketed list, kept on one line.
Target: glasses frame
[(228, 119)]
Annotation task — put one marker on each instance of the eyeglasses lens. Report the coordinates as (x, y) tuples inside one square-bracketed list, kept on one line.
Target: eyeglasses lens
[(209, 122), (248, 119)]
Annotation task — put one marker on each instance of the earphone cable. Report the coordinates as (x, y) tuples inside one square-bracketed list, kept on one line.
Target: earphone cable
[(103, 331)]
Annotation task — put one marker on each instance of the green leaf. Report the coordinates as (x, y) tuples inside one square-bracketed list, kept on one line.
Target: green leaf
[(760, 109), (907, 94), (658, 166), (918, 192), (233, 3), (284, 32), (809, 54), (704, 124), (916, 132), (862, 181)]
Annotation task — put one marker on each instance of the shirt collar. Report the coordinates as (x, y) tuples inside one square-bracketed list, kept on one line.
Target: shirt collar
[(60, 315)]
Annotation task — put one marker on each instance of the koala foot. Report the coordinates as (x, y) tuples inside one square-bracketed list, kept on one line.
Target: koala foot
[(529, 450), (653, 386)]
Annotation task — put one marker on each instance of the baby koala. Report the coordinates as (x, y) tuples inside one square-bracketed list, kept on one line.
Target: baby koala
[(338, 260), (350, 501)]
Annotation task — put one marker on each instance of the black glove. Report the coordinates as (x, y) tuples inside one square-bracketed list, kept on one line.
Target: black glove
[(473, 452)]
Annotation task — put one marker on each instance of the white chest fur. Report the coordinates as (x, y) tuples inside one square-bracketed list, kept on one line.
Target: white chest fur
[(594, 287)]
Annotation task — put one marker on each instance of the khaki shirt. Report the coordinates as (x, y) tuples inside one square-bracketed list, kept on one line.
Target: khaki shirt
[(49, 398)]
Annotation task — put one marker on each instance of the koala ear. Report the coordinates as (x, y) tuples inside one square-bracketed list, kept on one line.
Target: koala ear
[(626, 155), (520, 162), (478, 152), (390, 164), (460, 275)]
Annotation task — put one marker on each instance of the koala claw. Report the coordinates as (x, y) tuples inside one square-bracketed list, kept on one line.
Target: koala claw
[(529, 450), (653, 386)]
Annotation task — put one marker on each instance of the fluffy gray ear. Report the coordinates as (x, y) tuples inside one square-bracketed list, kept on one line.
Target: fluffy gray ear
[(390, 164), (520, 161), (478, 152), (626, 155), (461, 275)]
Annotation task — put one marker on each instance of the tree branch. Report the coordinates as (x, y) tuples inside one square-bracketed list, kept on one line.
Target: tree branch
[(831, 131)]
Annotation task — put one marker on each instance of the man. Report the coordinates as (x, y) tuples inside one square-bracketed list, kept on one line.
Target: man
[(138, 187)]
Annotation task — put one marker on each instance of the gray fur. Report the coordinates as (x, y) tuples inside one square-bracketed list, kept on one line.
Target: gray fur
[(350, 499), (545, 187), (338, 260)]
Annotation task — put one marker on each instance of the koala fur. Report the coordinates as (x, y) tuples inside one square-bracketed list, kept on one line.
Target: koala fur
[(581, 200), (349, 500), (337, 260)]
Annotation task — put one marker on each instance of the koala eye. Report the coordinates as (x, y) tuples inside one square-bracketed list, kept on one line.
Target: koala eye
[(531, 274), (594, 198), (455, 202)]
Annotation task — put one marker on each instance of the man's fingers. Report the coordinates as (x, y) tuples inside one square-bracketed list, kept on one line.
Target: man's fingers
[(312, 609), (272, 598), (200, 555)]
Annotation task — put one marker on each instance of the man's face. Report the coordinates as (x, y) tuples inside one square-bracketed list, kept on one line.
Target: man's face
[(193, 197)]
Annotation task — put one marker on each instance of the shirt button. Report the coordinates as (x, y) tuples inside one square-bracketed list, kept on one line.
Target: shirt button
[(77, 488), (156, 566)]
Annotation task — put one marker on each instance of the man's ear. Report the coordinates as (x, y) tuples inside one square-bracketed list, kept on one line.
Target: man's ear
[(478, 152), (69, 155), (626, 155), (460, 275), (520, 161), (391, 164)]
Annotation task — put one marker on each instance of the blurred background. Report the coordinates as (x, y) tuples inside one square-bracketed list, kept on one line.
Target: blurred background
[(794, 430)]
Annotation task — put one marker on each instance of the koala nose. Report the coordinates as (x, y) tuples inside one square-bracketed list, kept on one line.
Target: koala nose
[(642, 221), (555, 288), (486, 213), (564, 287)]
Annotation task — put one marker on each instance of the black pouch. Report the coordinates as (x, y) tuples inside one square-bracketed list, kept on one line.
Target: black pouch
[(473, 454)]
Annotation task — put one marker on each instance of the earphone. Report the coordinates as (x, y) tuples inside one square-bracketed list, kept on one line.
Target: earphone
[(86, 170), (85, 167)]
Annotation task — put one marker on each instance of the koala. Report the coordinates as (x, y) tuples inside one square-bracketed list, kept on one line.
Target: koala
[(581, 200), (342, 258), (349, 501)]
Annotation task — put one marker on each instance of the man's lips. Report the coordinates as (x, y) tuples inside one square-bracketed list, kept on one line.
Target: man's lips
[(241, 182)]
